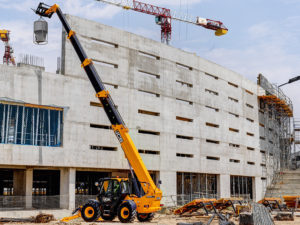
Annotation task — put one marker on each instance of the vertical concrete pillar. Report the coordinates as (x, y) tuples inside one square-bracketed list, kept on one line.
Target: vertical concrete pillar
[(67, 188), (168, 187), (257, 189), (224, 185), (22, 183)]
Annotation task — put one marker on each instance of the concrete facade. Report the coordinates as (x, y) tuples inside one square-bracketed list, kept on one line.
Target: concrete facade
[(201, 117)]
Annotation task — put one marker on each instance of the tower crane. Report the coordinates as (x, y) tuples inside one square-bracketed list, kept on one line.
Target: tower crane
[(164, 16), (8, 52)]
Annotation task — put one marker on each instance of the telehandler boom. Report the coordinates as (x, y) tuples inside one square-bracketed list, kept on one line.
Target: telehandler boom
[(115, 197)]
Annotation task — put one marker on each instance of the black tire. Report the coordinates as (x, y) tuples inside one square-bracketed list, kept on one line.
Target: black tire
[(90, 211), (145, 217), (126, 213), (108, 218)]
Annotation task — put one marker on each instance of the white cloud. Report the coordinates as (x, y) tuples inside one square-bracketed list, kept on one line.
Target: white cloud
[(19, 5), (90, 10)]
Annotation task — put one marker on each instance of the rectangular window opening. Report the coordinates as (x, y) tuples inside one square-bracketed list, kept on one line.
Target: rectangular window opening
[(184, 119), (250, 134), (233, 114), (250, 106), (105, 43), (262, 138), (213, 108), (149, 152), (150, 93), (184, 83), (234, 160), (211, 92), (184, 155), (96, 104), (250, 148), (251, 163), (263, 151), (106, 64), (232, 84), (99, 126), (179, 65), (213, 76), (149, 132), (249, 92), (233, 99), (103, 148), (262, 125), (234, 145), (184, 101), (148, 74), (250, 120), (149, 55), (148, 112), (212, 141), (233, 130), (212, 125), (213, 158), (184, 137)]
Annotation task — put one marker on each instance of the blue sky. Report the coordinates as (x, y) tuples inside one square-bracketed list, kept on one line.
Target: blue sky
[(263, 35)]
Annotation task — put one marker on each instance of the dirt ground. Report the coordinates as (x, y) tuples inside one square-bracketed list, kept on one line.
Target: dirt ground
[(160, 219)]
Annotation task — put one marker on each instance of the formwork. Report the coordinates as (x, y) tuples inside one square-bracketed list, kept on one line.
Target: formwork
[(275, 117)]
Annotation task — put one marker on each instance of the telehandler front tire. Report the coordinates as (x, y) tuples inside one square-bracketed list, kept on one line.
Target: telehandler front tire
[(126, 213)]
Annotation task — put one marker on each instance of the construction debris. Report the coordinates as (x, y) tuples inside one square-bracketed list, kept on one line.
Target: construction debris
[(17, 220), (246, 219), (44, 218), (292, 201), (272, 203), (41, 218), (284, 216)]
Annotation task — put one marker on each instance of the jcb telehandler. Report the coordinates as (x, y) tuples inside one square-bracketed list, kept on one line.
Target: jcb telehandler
[(115, 197)]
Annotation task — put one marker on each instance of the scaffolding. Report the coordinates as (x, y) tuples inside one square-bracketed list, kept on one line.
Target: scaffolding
[(276, 137)]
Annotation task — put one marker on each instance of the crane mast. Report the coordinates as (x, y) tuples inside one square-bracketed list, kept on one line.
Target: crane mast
[(164, 17), (8, 50)]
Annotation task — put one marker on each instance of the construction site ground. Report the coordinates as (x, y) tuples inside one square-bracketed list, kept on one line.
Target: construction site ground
[(159, 219)]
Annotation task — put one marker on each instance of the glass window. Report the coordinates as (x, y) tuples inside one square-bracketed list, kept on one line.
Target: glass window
[(24, 125)]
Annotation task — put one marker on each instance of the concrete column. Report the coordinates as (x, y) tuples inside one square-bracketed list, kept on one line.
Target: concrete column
[(23, 180), (257, 189), (67, 188), (168, 187), (224, 185)]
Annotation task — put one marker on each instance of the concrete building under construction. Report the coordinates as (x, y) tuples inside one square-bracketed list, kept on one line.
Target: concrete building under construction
[(203, 130)]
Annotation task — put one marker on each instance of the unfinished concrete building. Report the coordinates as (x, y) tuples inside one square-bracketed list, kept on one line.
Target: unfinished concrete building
[(195, 123)]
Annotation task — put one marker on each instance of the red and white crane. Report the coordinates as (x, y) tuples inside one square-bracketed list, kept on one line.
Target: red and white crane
[(163, 17), (8, 52)]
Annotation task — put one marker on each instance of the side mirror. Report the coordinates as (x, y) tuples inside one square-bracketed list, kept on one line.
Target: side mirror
[(159, 182)]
